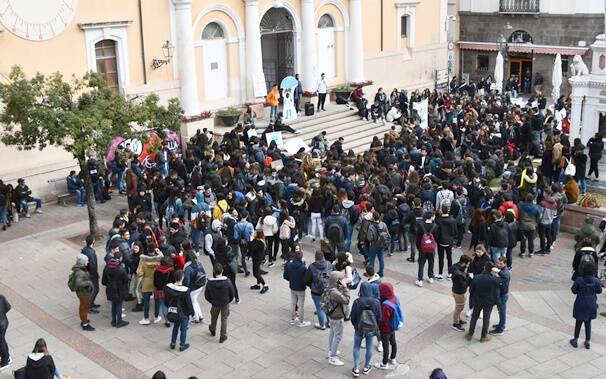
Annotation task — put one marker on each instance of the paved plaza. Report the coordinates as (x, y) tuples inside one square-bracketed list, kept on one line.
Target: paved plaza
[(37, 254)]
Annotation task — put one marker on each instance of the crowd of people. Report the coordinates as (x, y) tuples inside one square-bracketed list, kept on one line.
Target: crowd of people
[(483, 166)]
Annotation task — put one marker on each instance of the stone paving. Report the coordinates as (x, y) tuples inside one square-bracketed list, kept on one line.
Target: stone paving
[(37, 254)]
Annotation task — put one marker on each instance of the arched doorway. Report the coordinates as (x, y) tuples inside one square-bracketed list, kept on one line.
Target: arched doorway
[(214, 51), (277, 44), (326, 46)]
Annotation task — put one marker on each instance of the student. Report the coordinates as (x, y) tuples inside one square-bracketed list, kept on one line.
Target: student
[(5, 359), (115, 280), (178, 301), (427, 235), (40, 364), (93, 271), (503, 272), (219, 293), (315, 280), (391, 314), (83, 288), (365, 316), (256, 250), (483, 288), (294, 273), (586, 288), (460, 283), (336, 300)]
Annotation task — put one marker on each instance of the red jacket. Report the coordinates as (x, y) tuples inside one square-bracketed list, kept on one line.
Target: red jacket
[(387, 293), (509, 205)]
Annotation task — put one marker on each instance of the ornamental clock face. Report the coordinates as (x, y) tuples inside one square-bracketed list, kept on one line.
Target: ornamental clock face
[(37, 20)]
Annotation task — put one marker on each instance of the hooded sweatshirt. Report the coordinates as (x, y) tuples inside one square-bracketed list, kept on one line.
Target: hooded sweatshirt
[(269, 225), (40, 366), (176, 295), (219, 291), (338, 295), (387, 293), (115, 280), (366, 300), (549, 210), (294, 272), (163, 276)]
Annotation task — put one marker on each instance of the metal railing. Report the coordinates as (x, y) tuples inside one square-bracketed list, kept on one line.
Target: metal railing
[(519, 6)]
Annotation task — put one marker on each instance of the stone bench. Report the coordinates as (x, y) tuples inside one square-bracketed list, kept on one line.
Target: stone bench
[(574, 217), (59, 190)]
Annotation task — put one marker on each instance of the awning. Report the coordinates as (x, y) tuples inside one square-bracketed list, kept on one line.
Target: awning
[(525, 48)]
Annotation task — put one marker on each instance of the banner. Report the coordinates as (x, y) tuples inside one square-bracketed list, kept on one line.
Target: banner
[(423, 112), (143, 150), (275, 136)]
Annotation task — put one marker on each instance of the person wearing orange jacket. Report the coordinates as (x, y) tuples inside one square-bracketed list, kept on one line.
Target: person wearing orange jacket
[(273, 99)]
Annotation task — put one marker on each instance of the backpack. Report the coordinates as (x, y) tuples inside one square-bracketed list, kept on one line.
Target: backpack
[(199, 279), (334, 233), (321, 279), (172, 314), (428, 207), (397, 318), (284, 232), (356, 279), (327, 305), (71, 282), (372, 234), (463, 214), (428, 242), (384, 237), (367, 322)]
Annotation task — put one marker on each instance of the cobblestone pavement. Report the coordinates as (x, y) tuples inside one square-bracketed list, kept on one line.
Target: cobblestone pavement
[(37, 254)]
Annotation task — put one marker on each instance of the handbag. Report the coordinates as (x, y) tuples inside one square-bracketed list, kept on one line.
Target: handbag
[(355, 281), (570, 169), (19, 373)]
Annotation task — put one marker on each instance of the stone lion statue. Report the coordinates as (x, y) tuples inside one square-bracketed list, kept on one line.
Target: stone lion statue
[(578, 67)]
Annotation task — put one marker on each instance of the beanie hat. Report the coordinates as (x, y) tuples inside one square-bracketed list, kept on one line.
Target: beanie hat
[(81, 260)]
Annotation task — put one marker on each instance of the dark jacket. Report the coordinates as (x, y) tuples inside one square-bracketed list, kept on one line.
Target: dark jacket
[(460, 279), (311, 276), (596, 146), (447, 230), (423, 227), (294, 272), (115, 280), (505, 276), (576, 261), (5, 306), (256, 250), (512, 232), (93, 267), (178, 296), (84, 286), (190, 271), (484, 289), (40, 366), (477, 264), (498, 234), (529, 216), (586, 303), (366, 300), (219, 291), (163, 276)]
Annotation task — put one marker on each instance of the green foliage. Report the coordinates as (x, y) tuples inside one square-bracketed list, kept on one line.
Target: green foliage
[(345, 87), (229, 112), (81, 116)]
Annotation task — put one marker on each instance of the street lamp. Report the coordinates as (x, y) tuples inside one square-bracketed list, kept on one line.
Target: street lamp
[(167, 51)]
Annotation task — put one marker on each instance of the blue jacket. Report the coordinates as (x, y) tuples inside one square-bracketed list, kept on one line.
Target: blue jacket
[(294, 272), (530, 208), (366, 299), (189, 273), (243, 230), (586, 303), (484, 289), (336, 219), (505, 276), (73, 184)]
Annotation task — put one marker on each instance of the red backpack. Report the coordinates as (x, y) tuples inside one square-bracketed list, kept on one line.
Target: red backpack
[(428, 242)]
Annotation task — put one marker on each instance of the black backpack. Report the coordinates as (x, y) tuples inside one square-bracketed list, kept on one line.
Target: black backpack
[(334, 233), (367, 322)]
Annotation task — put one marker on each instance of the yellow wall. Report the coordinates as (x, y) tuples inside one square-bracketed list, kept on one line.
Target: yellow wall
[(427, 23)]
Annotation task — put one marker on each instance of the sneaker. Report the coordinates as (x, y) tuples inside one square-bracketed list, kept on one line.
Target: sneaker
[(167, 324), (304, 324), (468, 336), (293, 321), (430, 280), (355, 372), (93, 311), (319, 327), (238, 301), (271, 264), (222, 339), (587, 345), (449, 276), (379, 348), (393, 362), (573, 343), (212, 332), (184, 347), (458, 327), (485, 339), (335, 361), (38, 211), (439, 277), (419, 283), (366, 370), (496, 326), (411, 260), (264, 289), (382, 366), (144, 322), (336, 355), (496, 332), (157, 320), (172, 346), (122, 324), (10, 360), (462, 322), (88, 328), (255, 287)]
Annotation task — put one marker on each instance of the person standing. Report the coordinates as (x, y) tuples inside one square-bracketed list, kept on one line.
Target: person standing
[(378, 239), (93, 271), (316, 278), (294, 273), (505, 276), (427, 232), (147, 266), (5, 358), (243, 235), (596, 146), (460, 283), (115, 280), (586, 288), (336, 301), (273, 99), (484, 289), (219, 293), (392, 318), (365, 316), (178, 301), (322, 89), (447, 233), (256, 250), (83, 287), (164, 274), (498, 236), (529, 218), (298, 94), (191, 271)]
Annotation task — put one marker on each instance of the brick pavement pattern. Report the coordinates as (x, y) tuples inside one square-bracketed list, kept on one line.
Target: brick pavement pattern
[(37, 254)]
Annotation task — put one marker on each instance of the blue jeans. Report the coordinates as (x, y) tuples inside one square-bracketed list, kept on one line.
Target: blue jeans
[(121, 182), (348, 234), (182, 326), (273, 113), (23, 203), (80, 196), (319, 311), (496, 252), (3, 215), (369, 337), (376, 252), (555, 227), (582, 185), (502, 307), (196, 234), (146, 301), (116, 312)]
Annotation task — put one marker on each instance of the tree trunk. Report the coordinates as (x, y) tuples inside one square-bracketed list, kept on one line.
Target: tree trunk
[(90, 198)]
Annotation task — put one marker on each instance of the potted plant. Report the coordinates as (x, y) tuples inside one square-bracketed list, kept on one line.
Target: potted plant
[(229, 116), (343, 90)]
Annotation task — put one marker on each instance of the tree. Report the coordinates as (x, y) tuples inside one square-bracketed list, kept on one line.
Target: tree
[(81, 117)]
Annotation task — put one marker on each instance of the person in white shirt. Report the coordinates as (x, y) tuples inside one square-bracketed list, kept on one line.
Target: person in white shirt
[(322, 88)]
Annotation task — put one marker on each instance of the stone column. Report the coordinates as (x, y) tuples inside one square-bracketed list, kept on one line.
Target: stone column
[(186, 58), (356, 43), (255, 79), (309, 46)]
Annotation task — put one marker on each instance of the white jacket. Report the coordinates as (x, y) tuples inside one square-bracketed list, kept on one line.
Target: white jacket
[(269, 225)]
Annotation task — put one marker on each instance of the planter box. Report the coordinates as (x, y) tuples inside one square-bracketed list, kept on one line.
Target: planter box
[(227, 120), (335, 94), (574, 217)]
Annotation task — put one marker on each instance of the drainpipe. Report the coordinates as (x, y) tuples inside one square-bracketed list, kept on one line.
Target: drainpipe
[(381, 25), (142, 42)]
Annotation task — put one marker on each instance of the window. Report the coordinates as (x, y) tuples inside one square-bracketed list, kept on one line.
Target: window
[(565, 66), (404, 27), (520, 36), (326, 21), (482, 62), (213, 31), (107, 63)]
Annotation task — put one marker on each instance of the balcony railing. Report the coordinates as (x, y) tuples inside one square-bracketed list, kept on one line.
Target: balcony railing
[(519, 6)]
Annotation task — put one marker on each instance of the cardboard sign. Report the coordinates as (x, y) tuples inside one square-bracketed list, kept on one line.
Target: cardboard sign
[(275, 136)]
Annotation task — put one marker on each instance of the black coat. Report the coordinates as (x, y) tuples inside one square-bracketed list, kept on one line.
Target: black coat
[(484, 289), (498, 234), (219, 291), (115, 280), (447, 230), (460, 279), (93, 267)]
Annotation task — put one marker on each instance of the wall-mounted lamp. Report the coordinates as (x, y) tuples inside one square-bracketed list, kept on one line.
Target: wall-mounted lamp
[(167, 51)]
